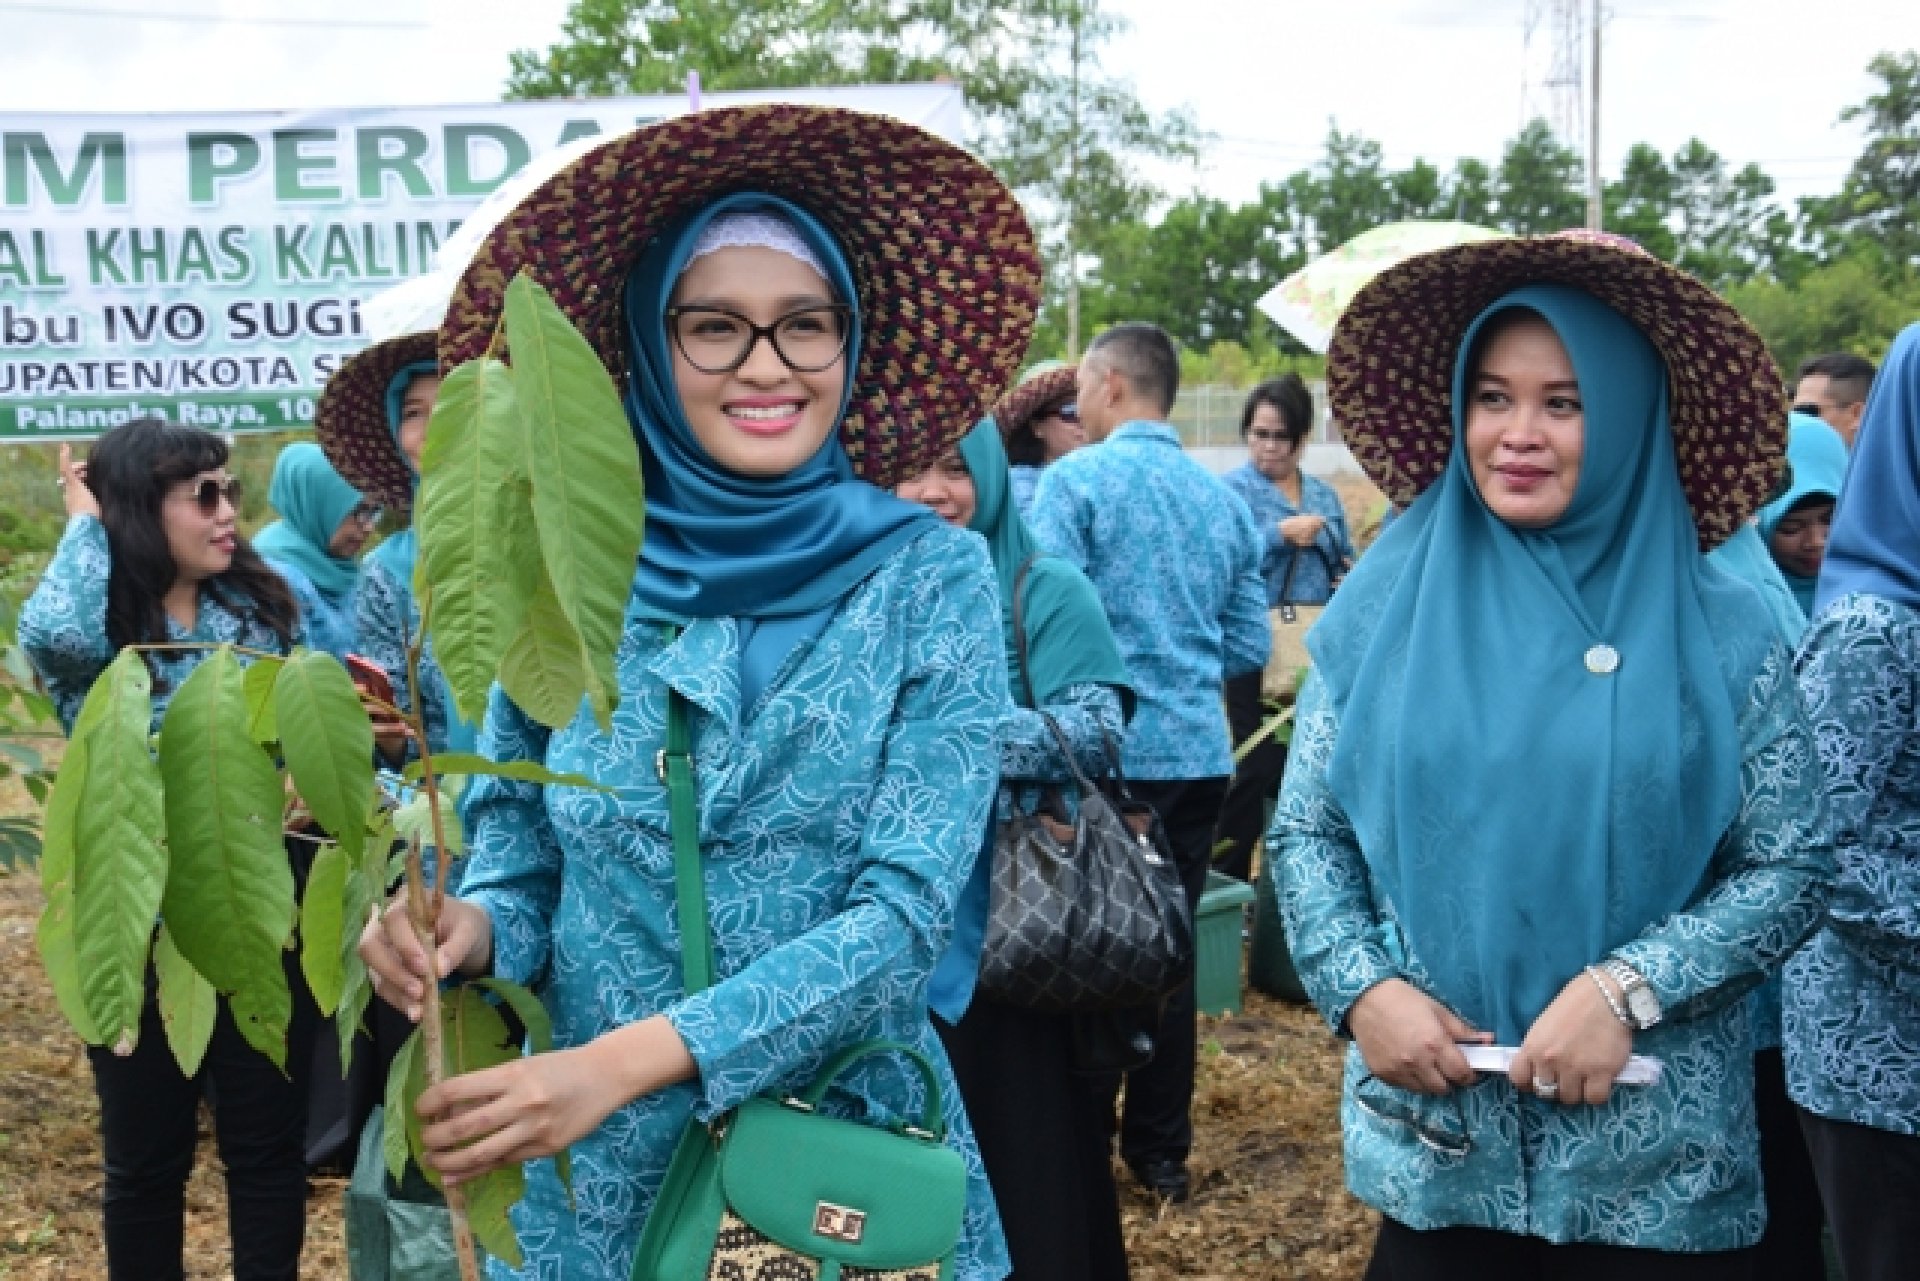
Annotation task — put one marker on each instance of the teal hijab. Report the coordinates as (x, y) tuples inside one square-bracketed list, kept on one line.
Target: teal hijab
[(1069, 641), (1745, 556), (778, 554), (1523, 814), (1818, 455), (312, 499)]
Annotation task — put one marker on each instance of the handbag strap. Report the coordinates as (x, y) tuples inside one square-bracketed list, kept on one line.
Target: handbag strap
[(675, 765), (1020, 627), (1286, 603), (933, 1117)]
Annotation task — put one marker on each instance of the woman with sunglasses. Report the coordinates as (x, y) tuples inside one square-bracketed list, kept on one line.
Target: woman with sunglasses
[(151, 555), (1304, 552), (1039, 425), (315, 544), (790, 344), (1551, 786)]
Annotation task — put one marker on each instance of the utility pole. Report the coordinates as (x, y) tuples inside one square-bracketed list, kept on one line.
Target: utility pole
[(1594, 213), (1073, 196)]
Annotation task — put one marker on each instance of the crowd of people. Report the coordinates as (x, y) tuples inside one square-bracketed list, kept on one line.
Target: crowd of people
[(1597, 838)]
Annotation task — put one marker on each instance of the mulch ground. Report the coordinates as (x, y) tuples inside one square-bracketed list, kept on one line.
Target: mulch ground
[(1268, 1201)]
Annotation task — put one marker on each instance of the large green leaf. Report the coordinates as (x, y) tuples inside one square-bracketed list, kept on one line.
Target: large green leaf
[(328, 745), (448, 764), (322, 912), (188, 1005), (477, 1038), (359, 897), (404, 1081), (534, 1018), (546, 671), (120, 855), (478, 548), (585, 465), (229, 901), (262, 719), (54, 934)]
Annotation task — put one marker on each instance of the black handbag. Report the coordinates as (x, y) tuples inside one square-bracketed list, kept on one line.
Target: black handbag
[(1088, 913)]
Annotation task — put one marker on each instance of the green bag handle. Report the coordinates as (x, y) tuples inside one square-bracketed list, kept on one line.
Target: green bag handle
[(933, 1118), (675, 765)]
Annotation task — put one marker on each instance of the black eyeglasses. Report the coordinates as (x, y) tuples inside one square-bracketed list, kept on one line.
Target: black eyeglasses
[(718, 341), (1441, 1126), (1807, 407), (1268, 437), (208, 493)]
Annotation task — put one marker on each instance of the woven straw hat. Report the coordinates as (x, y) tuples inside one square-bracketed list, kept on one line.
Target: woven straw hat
[(351, 419), (946, 266), (1390, 365), (1036, 397)]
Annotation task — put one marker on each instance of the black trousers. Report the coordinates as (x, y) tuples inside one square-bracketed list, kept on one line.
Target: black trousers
[(1451, 1254), (1043, 1139), (148, 1126), (1791, 1249), (1256, 780), (1870, 1185), (1156, 1124)]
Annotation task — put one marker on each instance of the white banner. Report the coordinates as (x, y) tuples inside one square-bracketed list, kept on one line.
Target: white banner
[(210, 269)]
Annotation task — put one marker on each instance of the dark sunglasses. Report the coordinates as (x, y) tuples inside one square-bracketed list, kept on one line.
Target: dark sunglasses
[(208, 493), (1808, 408), (1068, 413)]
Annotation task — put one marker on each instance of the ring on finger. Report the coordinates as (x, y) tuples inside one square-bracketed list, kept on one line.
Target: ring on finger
[(1546, 1089)]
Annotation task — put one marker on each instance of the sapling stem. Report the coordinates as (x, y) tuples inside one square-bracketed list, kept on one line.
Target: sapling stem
[(432, 1043)]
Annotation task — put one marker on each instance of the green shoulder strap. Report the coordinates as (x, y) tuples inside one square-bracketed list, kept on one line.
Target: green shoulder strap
[(683, 816)]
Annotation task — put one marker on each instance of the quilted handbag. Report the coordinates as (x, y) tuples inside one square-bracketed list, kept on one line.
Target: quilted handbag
[(1084, 914), (776, 1190)]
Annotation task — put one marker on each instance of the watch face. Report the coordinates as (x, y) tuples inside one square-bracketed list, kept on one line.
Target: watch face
[(1644, 1007)]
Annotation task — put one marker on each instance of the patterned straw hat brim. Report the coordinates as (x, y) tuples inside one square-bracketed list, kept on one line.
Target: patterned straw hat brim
[(945, 263), (1390, 366), (351, 419), (1035, 398)]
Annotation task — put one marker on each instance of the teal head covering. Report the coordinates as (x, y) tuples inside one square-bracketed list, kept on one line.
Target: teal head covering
[(1069, 641), (1818, 455), (1875, 546), (776, 553), (1745, 556), (312, 499), (399, 551), (1524, 810)]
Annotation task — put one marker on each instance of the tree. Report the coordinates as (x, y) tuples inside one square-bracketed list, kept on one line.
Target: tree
[(1056, 128), (1538, 186), (1879, 202), (1638, 204), (1850, 304)]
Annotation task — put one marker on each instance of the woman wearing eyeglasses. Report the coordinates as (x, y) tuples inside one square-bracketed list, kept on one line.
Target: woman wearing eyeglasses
[(791, 340), (316, 543), (1305, 552), (1039, 425), (1552, 786), (151, 555)]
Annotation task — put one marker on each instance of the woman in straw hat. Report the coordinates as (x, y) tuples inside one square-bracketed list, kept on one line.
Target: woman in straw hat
[(1550, 783), (1039, 424), (372, 422), (1852, 1028), (803, 306)]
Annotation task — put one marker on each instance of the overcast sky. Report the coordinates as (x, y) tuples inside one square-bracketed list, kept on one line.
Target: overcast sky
[(1760, 80)]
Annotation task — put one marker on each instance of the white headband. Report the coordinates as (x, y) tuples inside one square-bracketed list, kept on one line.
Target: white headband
[(767, 231)]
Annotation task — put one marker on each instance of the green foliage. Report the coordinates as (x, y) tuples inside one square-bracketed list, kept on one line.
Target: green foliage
[(54, 936), (1879, 203), (477, 549), (583, 480), (119, 859), (465, 764), (229, 898), (1855, 303), (328, 757), (26, 721), (323, 913), (188, 1004)]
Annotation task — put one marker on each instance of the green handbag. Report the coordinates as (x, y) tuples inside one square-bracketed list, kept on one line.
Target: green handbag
[(776, 1191)]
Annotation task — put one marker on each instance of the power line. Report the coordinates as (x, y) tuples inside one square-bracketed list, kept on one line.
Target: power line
[(218, 19)]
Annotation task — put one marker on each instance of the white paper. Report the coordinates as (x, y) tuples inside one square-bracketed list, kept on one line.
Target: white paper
[(1640, 1070)]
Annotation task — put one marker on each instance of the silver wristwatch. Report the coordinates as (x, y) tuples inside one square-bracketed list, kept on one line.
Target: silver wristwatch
[(1643, 1007)]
